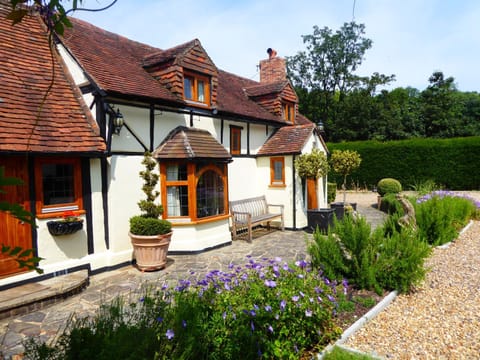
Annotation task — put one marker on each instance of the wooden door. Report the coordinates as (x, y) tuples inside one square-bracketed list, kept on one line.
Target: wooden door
[(312, 201), (14, 232)]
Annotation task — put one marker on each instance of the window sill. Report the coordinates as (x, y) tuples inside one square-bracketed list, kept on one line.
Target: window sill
[(277, 185), (59, 214), (199, 221)]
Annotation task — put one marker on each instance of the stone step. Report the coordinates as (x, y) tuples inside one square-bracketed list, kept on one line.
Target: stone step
[(26, 298)]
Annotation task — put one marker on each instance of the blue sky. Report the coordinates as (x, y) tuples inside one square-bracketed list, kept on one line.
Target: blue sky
[(411, 38)]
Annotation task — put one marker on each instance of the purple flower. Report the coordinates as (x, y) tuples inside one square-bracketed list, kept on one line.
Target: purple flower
[(283, 304), (302, 264), (270, 329), (270, 283), (253, 313), (295, 298), (184, 324), (169, 334), (252, 325), (224, 315), (268, 308), (308, 313), (159, 319)]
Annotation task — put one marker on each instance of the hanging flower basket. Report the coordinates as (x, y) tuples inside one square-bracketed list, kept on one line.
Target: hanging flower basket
[(61, 227), (70, 224)]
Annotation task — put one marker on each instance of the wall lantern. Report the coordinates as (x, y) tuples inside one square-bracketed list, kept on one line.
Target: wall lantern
[(320, 127), (117, 122)]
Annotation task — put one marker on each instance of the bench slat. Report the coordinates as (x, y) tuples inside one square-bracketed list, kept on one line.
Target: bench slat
[(251, 212)]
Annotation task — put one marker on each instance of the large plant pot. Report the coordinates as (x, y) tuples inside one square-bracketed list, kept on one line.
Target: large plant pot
[(151, 251), (340, 208), (321, 218)]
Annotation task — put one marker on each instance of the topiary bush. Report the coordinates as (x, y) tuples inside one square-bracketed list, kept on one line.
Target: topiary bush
[(141, 225), (390, 204), (389, 186)]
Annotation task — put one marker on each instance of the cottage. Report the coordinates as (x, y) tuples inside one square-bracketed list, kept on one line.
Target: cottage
[(217, 137)]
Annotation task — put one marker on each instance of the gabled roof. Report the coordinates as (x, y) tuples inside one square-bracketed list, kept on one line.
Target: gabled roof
[(287, 140), (191, 143), (117, 64), (268, 88), (114, 62), (29, 121), (161, 56)]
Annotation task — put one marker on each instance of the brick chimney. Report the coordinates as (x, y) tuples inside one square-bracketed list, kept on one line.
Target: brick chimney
[(272, 69)]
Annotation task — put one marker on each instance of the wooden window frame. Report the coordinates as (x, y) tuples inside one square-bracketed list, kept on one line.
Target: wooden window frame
[(195, 78), (274, 182), (192, 180), (57, 210), (235, 140), (288, 111)]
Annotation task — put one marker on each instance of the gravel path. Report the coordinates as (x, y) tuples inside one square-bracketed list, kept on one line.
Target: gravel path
[(441, 319)]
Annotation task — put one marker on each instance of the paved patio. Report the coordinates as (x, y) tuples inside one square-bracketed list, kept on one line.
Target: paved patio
[(45, 322)]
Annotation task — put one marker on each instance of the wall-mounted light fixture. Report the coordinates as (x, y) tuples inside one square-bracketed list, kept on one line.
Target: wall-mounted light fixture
[(117, 122)]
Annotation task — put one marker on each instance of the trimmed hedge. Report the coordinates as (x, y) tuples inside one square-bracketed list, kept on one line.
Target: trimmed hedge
[(452, 163)]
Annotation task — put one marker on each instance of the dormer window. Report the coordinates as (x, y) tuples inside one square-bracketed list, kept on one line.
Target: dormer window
[(196, 88), (288, 110)]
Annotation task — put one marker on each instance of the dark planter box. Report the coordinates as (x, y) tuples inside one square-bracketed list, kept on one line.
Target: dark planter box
[(339, 208), (64, 228), (321, 218)]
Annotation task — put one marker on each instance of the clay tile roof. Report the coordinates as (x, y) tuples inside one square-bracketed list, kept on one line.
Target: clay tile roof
[(232, 98), (190, 143), (167, 55), (29, 122), (113, 61), (287, 140), (263, 89)]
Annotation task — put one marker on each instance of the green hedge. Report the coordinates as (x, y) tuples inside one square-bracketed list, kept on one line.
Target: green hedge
[(452, 163)]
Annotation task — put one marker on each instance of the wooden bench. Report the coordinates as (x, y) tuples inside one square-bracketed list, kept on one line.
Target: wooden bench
[(253, 211)]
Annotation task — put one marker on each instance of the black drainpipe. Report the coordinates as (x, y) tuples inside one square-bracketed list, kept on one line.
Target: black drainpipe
[(294, 195)]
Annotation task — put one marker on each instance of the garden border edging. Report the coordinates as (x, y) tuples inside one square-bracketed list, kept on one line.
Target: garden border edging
[(360, 322)]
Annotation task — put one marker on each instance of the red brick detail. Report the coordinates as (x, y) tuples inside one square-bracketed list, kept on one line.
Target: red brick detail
[(273, 70), (168, 67)]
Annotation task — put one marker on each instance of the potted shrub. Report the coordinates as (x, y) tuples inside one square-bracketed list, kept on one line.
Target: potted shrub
[(344, 162), (149, 234), (315, 165)]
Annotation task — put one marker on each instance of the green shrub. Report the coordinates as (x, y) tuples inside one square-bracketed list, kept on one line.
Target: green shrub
[(441, 214), (423, 187), (388, 186), (347, 252), (338, 353), (140, 225), (331, 192), (390, 204), (444, 161), (400, 263)]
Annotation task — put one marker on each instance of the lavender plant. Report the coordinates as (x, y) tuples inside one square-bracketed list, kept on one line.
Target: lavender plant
[(263, 309)]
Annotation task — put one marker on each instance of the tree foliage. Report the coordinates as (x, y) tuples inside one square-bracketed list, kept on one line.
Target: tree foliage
[(312, 165)]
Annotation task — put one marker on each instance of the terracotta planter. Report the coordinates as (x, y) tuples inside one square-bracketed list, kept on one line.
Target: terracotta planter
[(151, 251)]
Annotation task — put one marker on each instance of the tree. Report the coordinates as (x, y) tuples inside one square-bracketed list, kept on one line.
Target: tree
[(440, 112), (324, 73), (344, 162)]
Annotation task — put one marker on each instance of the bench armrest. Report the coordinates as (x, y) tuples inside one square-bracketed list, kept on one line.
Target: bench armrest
[(278, 205)]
